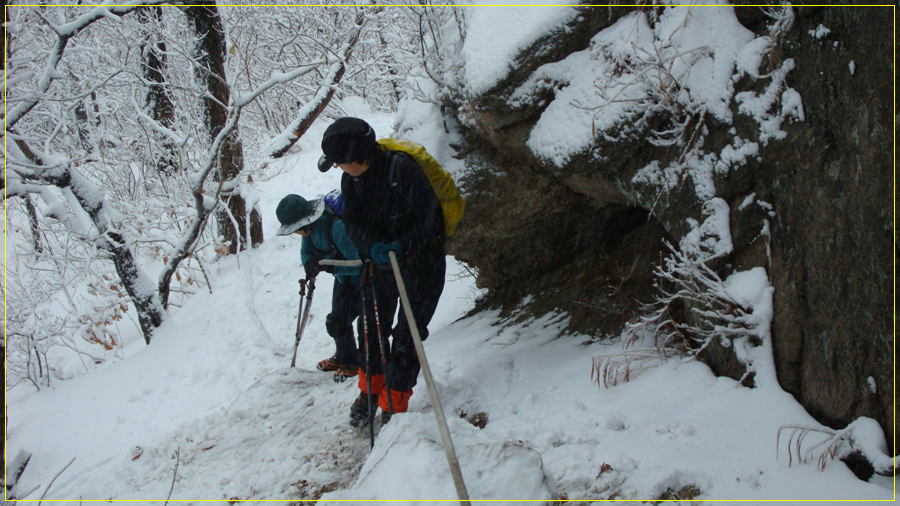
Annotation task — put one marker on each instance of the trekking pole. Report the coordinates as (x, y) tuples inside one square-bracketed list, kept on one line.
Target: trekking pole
[(371, 414), (362, 292), (303, 314), (455, 471), (382, 342)]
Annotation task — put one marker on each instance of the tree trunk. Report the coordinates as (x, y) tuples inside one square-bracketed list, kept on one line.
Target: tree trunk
[(150, 314), (30, 210), (157, 102), (210, 55), (141, 290)]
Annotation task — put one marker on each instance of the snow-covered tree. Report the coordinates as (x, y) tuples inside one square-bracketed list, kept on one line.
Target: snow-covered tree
[(128, 127)]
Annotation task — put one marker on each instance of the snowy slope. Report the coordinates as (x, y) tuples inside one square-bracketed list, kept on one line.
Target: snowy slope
[(214, 396)]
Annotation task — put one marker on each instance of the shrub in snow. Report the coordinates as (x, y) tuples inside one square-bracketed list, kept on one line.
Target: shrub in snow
[(863, 437), (694, 307)]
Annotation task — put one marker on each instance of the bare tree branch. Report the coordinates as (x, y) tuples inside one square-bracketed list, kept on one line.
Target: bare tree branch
[(308, 113), (54, 479)]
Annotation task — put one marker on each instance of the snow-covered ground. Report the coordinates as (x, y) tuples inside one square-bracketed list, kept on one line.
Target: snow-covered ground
[(213, 404)]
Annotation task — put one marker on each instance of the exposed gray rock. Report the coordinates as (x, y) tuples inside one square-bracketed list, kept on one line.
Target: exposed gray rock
[(584, 237), (830, 182)]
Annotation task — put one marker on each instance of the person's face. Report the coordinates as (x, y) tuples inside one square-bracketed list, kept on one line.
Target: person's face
[(355, 169), (305, 231)]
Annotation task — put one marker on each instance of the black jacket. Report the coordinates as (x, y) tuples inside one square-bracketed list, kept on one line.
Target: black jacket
[(393, 207)]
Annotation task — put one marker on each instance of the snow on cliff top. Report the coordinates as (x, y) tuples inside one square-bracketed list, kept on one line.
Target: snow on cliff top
[(495, 35)]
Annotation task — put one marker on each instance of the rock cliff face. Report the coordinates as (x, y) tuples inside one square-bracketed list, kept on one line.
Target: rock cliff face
[(813, 206)]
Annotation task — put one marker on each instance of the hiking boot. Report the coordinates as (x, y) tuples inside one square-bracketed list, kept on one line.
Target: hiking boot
[(359, 410), (385, 418), (345, 372), (329, 364)]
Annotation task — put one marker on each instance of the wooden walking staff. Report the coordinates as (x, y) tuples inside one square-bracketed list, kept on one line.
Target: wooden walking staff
[(455, 471)]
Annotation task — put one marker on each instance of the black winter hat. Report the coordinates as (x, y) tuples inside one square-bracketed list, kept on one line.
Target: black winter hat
[(346, 140), (295, 212)]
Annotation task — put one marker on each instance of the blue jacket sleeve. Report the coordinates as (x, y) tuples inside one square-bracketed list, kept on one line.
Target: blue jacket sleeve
[(307, 250), (346, 247)]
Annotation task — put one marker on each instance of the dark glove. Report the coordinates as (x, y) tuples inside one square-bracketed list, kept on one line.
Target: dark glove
[(379, 252), (312, 269)]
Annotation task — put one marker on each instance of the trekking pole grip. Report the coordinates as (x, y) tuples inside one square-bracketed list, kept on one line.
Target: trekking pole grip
[(455, 471)]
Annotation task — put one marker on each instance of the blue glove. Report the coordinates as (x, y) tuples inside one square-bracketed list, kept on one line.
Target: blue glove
[(379, 252)]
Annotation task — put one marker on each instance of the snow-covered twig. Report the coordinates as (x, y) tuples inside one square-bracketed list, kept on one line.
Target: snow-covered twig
[(244, 99), (310, 111), (54, 479), (174, 474), (863, 435), (174, 137)]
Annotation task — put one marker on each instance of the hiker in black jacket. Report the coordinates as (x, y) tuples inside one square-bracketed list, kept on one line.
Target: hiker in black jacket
[(389, 205)]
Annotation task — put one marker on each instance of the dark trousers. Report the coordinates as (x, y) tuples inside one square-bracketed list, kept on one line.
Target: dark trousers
[(339, 323), (424, 282)]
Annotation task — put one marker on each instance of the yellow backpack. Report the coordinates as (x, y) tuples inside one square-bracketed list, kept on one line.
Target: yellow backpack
[(452, 202)]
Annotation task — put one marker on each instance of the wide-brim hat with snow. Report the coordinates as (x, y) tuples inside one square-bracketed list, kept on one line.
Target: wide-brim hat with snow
[(346, 140), (295, 212)]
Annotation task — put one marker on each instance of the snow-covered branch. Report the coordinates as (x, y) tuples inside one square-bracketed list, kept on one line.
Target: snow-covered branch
[(203, 204), (65, 32), (179, 140), (244, 99), (280, 145)]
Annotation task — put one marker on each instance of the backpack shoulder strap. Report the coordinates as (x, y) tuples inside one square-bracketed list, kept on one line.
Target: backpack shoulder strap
[(395, 159)]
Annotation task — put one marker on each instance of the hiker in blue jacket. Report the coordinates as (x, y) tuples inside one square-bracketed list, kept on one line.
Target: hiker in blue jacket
[(322, 228)]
